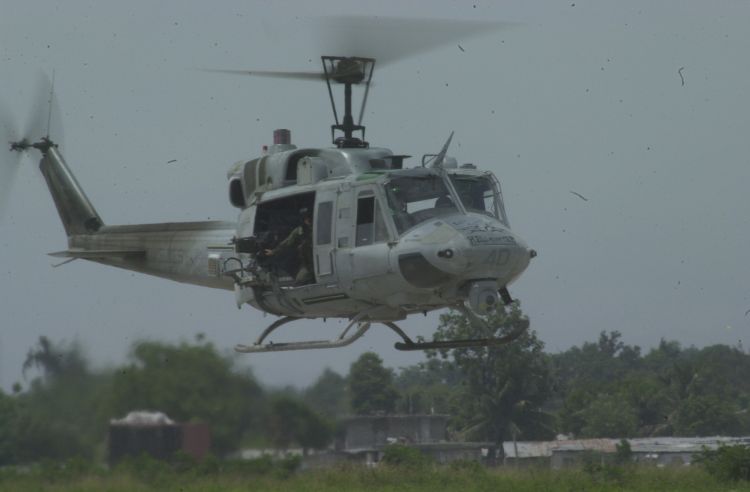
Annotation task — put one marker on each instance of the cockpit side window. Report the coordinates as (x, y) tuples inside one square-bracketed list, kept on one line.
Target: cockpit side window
[(479, 194), (415, 199), (371, 228)]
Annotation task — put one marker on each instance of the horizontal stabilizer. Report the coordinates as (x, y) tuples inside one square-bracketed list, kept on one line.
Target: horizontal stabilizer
[(93, 254)]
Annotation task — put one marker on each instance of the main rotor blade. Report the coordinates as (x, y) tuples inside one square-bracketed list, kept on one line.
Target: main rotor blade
[(390, 39), (272, 74), (386, 39)]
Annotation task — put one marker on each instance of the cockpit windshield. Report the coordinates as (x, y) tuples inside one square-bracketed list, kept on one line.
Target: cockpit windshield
[(413, 199), (479, 193)]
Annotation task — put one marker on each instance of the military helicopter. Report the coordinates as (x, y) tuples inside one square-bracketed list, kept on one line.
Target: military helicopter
[(346, 231)]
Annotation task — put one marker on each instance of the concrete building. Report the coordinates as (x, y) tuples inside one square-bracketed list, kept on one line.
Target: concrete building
[(364, 439), (377, 431)]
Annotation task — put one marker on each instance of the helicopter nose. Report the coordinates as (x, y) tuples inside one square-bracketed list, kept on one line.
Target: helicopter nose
[(522, 255), (463, 248), (491, 250)]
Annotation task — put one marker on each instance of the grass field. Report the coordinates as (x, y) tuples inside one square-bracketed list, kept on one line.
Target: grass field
[(385, 478)]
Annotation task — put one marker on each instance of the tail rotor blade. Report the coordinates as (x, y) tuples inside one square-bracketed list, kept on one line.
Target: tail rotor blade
[(45, 120), (8, 126), (10, 161), (36, 124)]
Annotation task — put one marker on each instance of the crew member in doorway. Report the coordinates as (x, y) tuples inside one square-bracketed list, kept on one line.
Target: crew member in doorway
[(301, 239)]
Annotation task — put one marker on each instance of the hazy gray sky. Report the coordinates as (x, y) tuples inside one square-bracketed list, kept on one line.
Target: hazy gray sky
[(580, 96)]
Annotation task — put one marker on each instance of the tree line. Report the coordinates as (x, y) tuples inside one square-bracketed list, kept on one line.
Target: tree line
[(603, 388)]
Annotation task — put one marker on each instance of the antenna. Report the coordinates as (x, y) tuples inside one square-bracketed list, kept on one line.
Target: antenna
[(438, 163)]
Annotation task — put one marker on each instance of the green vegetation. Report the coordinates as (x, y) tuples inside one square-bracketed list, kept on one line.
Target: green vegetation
[(371, 386), (504, 388), (291, 422), (728, 463), (405, 457), (65, 411), (143, 474), (515, 392), (184, 382)]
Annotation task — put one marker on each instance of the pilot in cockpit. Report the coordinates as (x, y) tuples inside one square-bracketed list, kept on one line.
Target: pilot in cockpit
[(444, 201)]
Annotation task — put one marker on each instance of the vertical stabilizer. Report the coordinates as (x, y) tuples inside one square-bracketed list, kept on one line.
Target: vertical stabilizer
[(76, 211)]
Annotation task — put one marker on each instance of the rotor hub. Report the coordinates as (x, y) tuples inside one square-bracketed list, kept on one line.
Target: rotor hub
[(348, 71), (42, 145)]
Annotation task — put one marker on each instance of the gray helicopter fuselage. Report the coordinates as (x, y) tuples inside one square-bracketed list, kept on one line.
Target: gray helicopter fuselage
[(363, 257), (385, 240)]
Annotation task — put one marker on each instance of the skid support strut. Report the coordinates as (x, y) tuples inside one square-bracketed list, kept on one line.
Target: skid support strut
[(346, 338), (409, 344), (342, 341)]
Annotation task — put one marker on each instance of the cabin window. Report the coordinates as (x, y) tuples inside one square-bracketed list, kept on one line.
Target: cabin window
[(324, 225), (236, 193), (370, 225)]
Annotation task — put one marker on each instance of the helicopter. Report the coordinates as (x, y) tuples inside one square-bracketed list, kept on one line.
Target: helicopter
[(346, 231)]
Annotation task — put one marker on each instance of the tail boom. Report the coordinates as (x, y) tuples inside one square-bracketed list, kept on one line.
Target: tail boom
[(76, 211)]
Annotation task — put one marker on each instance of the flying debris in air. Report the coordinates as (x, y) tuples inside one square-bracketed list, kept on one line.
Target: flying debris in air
[(580, 196), (173, 160), (461, 48)]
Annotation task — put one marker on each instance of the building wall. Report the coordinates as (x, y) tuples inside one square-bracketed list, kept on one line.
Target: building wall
[(377, 431)]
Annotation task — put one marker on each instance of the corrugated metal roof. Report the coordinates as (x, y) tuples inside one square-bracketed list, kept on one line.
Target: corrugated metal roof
[(682, 444), (542, 449), (598, 445), (545, 449), (529, 449)]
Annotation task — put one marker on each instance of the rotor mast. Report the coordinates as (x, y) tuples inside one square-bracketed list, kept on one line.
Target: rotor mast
[(348, 71)]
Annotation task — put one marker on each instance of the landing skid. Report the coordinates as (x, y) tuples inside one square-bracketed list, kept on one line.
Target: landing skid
[(342, 341), (363, 325), (409, 344)]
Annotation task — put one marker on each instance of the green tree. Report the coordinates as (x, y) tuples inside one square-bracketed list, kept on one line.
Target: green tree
[(190, 382), (290, 421), (596, 365), (706, 416), (371, 386), (59, 415), (327, 395), (609, 416), (8, 429), (55, 360), (429, 387), (504, 388)]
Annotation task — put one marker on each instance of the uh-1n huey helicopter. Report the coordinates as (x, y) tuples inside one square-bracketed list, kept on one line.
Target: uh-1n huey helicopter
[(367, 239)]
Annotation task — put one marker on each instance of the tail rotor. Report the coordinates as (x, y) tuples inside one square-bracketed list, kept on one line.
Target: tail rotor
[(44, 119)]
